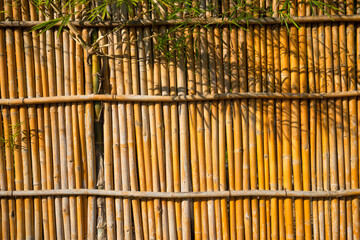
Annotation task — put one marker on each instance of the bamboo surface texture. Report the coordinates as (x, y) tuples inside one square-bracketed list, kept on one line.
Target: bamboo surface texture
[(228, 123)]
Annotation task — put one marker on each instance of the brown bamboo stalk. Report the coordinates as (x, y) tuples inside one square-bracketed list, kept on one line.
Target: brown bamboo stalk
[(14, 113), (345, 118), (216, 117), (4, 203)]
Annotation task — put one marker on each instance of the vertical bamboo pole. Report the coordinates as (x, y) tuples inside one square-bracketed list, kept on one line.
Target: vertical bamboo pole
[(286, 130), (295, 125), (215, 117), (278, 105), (252, 131), (40, 125), (272, 133), (196, 124), (33, 138), (69, 135), (152, 171), (23, 121), (47, 133), (312, 124), (184, 144), (62, 130), (324, 123), (174, 126), (8, 229), (319, 166), (259, 125), (245, 77), (346, 125), (139, 229), (143, 175), (14, 114), (108, 69), (214, 110), (6, 176), (205, 167), (336, 124), (114, 71), (225, 139), (123, 138)]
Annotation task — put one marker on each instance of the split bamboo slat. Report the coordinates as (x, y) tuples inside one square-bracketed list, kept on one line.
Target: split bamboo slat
[(185, 120)]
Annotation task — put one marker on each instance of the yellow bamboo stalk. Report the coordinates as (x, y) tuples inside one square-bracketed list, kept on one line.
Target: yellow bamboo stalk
[(312, 126), (229, 225), (4, 134), (206, 174), (286, 130), (278, 104), (14, 114), (141, 228), (214, 126), (295, 125), (198, 157), (210, 165), (24, 124), (69, 136), (8, 207), (345, 119)]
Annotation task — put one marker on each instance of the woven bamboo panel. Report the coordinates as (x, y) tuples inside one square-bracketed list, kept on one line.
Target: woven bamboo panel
[(218, 129)]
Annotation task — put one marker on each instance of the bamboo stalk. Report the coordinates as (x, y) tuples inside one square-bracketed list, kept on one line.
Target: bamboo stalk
[(345, 118), (141, 230), (295, 126), (6, 176), (197, 145), (313, 119), (14, 114)]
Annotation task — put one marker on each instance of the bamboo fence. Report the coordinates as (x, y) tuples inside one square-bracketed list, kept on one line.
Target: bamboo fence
[(222, 128)]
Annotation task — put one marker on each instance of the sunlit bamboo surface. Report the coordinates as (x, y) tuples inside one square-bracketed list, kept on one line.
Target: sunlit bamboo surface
[(216, 130)]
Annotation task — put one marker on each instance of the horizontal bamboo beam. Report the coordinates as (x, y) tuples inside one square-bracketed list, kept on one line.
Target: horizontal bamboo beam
[(184, 98), (192, 21), (179, 195)]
